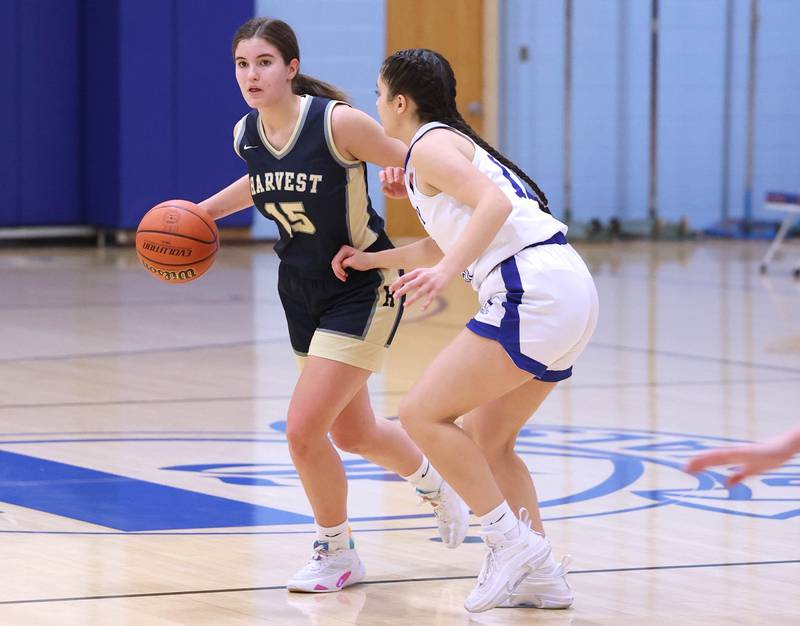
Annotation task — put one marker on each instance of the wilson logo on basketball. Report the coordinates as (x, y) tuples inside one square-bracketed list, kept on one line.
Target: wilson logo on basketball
[(170, 223), (168, 275), (171, 251)]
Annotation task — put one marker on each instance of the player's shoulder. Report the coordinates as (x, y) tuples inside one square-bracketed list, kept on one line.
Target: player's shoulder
[(239, 132), (429, 146), (345, 117)]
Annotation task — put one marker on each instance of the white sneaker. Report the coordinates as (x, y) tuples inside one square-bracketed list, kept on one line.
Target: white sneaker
[(328, 571), (506, 563), (543, 589), (451, 512)]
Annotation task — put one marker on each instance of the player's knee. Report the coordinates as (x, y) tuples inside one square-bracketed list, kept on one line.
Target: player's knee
[(355, 441), (411, 413), (302, 437), (495, 445)]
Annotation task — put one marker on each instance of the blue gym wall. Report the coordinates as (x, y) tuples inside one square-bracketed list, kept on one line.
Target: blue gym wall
[(39, 113), (114, 106), (343, 43), (610, 103)]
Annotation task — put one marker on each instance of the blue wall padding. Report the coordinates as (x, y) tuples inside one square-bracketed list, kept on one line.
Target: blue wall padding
[(39, 130), (176, 104), (9, 101), (115, 106)]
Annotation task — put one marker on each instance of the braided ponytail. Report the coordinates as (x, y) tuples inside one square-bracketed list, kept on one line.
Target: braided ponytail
[(460, 124), (428, 79)]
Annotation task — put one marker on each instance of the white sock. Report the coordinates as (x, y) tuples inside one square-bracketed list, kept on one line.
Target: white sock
[(501, 519), (426, 479), (337, 537)]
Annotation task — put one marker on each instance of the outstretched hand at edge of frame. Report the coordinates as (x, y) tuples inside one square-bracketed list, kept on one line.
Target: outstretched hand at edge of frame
[(750, 459)]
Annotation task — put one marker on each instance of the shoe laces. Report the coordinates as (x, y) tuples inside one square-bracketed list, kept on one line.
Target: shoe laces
[(434, 498), (494, 540), (562, 569), (320, 551), (525, 517), (489, 562)]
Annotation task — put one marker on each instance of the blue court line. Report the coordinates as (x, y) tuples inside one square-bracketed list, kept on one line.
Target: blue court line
[(160, 594), (694, 357), (668, 353), (441, 305), (676, 280), (121, 502), (132, 304), (119, 353), (571, 387), (287, 396)]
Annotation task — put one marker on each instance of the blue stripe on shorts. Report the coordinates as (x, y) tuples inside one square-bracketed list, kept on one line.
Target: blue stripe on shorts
[(508, 333)]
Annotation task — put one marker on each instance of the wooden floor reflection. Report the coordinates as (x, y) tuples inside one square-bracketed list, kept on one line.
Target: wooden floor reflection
[(145, 478)]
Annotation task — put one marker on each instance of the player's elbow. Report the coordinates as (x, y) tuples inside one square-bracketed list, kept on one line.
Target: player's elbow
[(498, 204)]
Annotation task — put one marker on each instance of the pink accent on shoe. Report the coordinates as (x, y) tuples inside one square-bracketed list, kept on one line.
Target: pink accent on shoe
[(320, 588), (343, 579)]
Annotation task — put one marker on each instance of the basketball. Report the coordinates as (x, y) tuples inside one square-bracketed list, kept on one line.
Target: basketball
[(177, 241)]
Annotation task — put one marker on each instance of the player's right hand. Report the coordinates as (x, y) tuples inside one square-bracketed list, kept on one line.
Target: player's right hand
[(393, 182), (749, 460), (349, 257)]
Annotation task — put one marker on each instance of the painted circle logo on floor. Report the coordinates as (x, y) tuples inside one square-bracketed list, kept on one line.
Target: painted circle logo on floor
[(244, 482)]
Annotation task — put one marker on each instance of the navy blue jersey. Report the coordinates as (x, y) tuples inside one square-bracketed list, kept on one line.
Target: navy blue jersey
[(317, 197)]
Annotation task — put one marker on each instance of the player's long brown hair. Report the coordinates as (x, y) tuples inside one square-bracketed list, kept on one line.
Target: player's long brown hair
[(281, 35), (427, 78)]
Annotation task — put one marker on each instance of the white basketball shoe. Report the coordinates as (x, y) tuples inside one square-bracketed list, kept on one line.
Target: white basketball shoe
[(544, 588), (328, 571), (451, 512), (507, 562)]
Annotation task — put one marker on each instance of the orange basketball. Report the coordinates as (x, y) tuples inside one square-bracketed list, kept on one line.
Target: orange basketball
[(177, 241)]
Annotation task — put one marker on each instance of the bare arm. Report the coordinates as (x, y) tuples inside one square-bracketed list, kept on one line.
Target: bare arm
[(751, 459), (443, 163), (422, 252), (359, 137), (231, 199)]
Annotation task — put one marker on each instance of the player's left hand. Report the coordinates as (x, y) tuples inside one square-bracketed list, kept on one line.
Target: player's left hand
[(423, 283), (393, 182)]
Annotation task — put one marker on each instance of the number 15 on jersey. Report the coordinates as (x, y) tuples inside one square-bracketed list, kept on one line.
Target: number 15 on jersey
[(291, 216)]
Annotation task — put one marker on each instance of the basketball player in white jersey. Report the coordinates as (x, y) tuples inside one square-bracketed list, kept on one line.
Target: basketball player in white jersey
[(305, 152), (538, 310)]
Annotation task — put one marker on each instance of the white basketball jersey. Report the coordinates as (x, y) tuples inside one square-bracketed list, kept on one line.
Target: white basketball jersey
[(444, 218)]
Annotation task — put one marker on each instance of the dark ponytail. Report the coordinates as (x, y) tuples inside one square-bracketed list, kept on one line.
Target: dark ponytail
[(281, 35), (427, 78)]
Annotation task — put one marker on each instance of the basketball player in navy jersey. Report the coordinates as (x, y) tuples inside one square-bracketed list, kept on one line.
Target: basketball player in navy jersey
[(305, 151)]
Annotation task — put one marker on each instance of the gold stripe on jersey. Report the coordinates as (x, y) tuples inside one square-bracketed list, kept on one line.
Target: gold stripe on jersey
[(338, 157), (369, 350), (305, 103), (361, 235), (238, 133)]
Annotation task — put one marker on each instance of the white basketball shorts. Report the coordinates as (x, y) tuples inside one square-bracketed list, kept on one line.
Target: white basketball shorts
[(541, 305)]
